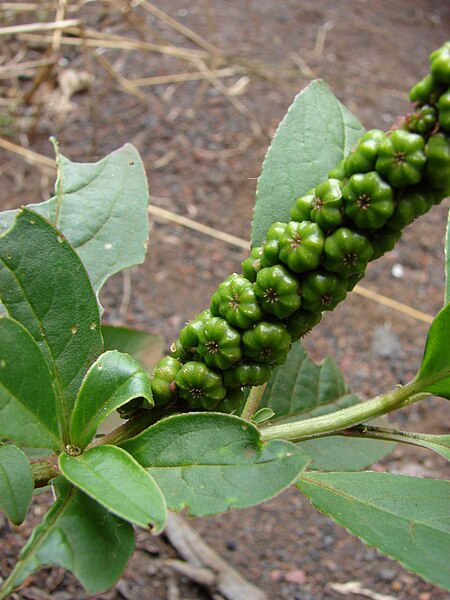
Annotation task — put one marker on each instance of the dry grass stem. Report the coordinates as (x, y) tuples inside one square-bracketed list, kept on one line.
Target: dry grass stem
[(22, 69), (29, 155), (24, 6), (238, 105), (118, 44), (183, 77), (30, 27), (124, 83), (177, 26)]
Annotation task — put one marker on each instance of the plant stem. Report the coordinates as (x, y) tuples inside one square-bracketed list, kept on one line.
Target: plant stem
[(347, 417), (253, 401), (395, 435), (44, 469)]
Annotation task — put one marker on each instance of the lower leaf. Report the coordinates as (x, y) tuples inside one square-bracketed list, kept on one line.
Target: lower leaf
[(16, 483), (79, 535), (211, 462), (113, 478), (406, 518)]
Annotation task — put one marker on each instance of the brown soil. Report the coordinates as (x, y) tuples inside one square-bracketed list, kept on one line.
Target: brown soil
[(203, 159)]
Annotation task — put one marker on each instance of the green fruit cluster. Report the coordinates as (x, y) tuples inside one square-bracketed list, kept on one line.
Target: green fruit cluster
[(308, 265)]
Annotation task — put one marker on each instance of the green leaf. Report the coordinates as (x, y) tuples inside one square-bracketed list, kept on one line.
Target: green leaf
[(113, 380), (314, 136), (437, 443), (16, 483), (263, 414), (113, 478), (27, 396), (341, 453), (447, 262), (301, 389), (209, 463), (406, 518), (434, 372), (146, 348), (44, 286), (79, 535), (101, 208)]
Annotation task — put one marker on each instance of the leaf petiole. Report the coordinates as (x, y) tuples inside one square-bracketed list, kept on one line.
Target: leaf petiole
[(346, 417)]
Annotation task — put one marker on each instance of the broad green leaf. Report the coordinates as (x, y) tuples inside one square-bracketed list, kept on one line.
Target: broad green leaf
[(44, 286), (209, 463), (341, 453), (301, 389), (16, 483), (79, 535), (113, 478), (434, 372), (447, 262), (101, 208), (406, 518), (147, 348), (113, 380), (27, 396), (314, 136)]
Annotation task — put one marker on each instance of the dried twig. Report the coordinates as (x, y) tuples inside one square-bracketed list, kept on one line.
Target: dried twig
[(197, 552)]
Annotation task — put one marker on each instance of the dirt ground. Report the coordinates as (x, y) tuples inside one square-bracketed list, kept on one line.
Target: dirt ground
[(203, 144)]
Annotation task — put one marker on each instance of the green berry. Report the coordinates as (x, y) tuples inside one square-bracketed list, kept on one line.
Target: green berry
[(338, 172), (252, 264), (440, 64), (267, 342), (426, 91), (178, 351), (383, 240), (189, 333), (200, 386), (163, 380), (347, 252), (271, 247), (322, 290), (277, 291), (302, 207), (411, 203), (301, 246), (219, 344), (232, 402), (369, 200), (301, 322), (353, 281), (444, 110), (401, 158), (235, 300), (327, 206), (423, 120), (247, 374), (438, 162), (363, 157)]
